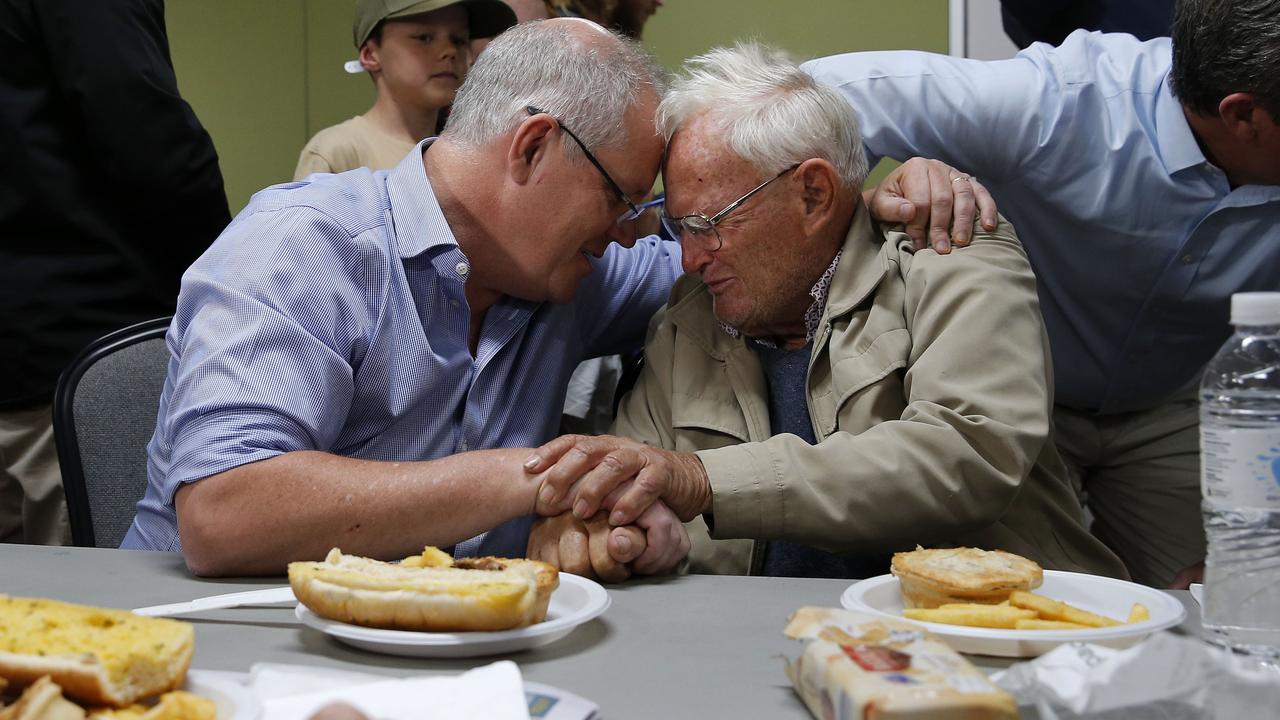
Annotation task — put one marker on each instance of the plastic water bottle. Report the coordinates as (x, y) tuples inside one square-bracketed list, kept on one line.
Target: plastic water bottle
[(1240, 480)]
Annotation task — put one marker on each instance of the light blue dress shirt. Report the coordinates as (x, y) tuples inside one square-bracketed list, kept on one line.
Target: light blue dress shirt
[(330, 315), (1137, 240)]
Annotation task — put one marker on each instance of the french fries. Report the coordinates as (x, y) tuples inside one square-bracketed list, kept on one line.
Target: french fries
[(1138, 613), (1023, 611), (1050, 609), (1048, 625), (972, 614)]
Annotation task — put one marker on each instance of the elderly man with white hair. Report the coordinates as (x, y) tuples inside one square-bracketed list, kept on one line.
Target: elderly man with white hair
[(816, 395)]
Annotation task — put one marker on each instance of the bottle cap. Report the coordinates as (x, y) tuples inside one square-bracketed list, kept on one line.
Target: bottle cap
[(1255, 308)]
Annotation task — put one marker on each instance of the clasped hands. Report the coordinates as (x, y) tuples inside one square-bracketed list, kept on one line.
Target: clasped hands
[(613, 507)]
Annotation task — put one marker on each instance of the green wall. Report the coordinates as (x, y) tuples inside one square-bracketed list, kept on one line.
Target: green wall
[(265, 75)]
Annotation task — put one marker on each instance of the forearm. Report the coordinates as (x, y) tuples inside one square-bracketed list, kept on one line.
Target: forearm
[(258, 517), (901, 481)]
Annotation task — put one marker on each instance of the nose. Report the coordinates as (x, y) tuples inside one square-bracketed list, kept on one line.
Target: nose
[(694, 257)]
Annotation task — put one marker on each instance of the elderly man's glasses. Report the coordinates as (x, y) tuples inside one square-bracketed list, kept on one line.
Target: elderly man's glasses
[(633, 211), (702, 229)]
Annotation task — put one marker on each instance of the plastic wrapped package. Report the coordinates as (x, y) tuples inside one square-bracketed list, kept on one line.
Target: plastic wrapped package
[(1168, 677)]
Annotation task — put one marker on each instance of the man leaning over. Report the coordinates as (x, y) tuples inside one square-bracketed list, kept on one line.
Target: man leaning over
[(1144, 179), (818, 393)]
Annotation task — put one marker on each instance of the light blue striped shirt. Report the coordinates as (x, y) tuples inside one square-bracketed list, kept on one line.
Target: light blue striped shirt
[(330, 316), (1137, 240)]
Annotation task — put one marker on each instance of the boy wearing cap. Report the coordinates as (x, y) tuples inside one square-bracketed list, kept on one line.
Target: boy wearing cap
[(417, 54)]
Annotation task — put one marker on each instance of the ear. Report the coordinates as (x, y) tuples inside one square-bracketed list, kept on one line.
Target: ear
[(1243, 117), (369, 59), (530, 144), (819, 185)]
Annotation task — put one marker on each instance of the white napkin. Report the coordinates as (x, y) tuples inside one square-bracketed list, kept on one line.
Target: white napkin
[(492, 691)]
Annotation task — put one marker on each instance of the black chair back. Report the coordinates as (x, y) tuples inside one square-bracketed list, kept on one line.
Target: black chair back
[(104, 413)]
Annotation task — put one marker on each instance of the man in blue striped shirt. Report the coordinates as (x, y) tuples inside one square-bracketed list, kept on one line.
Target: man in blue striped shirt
[(1144, 180), (341, 328)]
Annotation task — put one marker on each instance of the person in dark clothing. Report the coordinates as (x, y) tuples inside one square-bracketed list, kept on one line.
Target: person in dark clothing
[(109, 189), (1051, 21)]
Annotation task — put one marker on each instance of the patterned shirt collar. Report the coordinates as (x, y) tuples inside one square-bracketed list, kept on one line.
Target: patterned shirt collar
[(812, 316)]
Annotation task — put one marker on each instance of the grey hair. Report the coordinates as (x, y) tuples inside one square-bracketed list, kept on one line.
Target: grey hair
[(1226, 46), (774, 114), (588, 87)]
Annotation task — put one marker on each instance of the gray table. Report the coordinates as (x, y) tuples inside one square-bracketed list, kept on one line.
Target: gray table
[(693, 646)]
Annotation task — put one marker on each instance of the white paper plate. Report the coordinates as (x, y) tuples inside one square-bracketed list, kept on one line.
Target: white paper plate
[(1102, 595), (227, 690), (575, 602)]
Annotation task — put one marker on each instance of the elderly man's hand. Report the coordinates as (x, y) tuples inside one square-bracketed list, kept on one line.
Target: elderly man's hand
[(587, 473), (666, 541), (935, 201), (594, 548), (582, 547)]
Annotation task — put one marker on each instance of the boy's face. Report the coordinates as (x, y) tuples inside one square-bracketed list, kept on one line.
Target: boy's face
[(424, 58)]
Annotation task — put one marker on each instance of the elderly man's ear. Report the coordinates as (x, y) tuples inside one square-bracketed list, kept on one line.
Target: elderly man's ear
[(819, 194)]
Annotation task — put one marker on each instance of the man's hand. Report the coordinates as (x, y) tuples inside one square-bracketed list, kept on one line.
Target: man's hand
[(935, 201), (666, 541), (587, 473), (582, 547), (593, 548)]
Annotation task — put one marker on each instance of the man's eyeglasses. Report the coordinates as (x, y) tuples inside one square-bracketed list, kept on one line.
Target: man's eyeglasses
[(701, 228), (633, 211)]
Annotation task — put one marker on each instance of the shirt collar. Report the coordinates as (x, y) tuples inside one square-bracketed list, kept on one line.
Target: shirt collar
[(812, 316), (1178, 147), (418, 222)]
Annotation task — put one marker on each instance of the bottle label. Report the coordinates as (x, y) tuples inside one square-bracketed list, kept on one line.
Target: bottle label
[(1241, 466)]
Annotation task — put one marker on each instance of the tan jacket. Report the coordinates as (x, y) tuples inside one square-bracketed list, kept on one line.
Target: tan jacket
[(930, 394)]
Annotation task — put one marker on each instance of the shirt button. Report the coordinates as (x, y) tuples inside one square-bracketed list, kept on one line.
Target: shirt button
[(453, 303), (1187, 259), (462, 268)]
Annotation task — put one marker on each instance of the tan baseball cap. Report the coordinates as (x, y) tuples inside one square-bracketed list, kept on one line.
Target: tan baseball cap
[(486, 17)]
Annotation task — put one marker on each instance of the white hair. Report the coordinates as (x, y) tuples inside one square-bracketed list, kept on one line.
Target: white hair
[(586, 86), (772, 113)]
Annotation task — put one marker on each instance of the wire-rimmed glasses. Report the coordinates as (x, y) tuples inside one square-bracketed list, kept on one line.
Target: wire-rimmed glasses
[(633, 211), (701, 228)]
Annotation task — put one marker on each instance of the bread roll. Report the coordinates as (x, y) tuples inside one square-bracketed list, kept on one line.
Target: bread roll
[(483, 594), (97, 656), (930, 578)]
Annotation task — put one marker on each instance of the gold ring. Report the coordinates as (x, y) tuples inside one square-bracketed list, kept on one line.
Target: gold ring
[(959, 177)]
